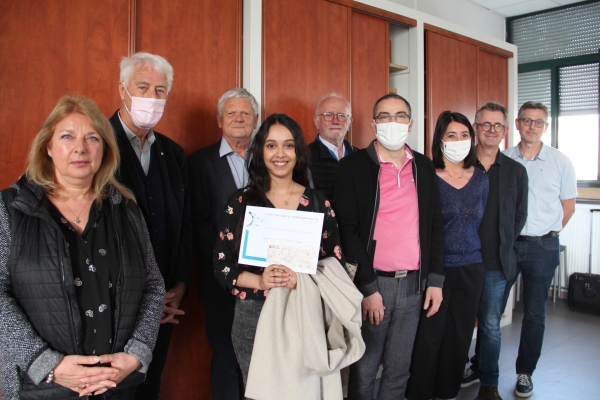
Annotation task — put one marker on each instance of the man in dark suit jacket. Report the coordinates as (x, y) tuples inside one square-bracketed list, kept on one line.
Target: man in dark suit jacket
[(216, 172), (153, 167), (333, 117), (503, 220)]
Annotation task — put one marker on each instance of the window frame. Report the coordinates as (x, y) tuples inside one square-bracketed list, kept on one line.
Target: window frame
[(554, 66)]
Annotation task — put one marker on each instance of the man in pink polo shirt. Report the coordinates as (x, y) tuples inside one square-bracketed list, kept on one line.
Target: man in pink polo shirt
[(391, 224)]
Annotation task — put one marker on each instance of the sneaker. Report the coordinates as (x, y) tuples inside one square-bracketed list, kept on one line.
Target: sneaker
[(488, 393), (524, 386), (470, 377)]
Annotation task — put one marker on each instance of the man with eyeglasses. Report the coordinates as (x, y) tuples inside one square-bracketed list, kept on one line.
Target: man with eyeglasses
[(503, 219), (215, 173), (552, 193), (390, 219), (332, 120)]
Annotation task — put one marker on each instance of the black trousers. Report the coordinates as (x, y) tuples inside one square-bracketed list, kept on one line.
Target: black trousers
[(224, 371), (150, 388), (443, 340)]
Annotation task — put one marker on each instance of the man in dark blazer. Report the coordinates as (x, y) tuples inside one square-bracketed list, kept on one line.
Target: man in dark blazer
[(333, 118), (502, 222), (153, 167), (216, 172)]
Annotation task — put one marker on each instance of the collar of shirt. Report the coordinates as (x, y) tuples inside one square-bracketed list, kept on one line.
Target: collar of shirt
[(497, 161), (225, 148), (332, 149), (409, 156), (150, 138), (541, 155)]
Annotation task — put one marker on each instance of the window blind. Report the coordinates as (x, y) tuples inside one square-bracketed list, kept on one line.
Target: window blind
[(535, 86), (572, 31), (578, 89)]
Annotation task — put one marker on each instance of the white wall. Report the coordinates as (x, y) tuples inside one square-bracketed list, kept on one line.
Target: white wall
[(463, 13)]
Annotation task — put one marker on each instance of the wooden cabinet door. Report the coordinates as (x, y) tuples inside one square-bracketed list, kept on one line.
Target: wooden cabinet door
[(305, 56), (370, 73), (315, 47), (492, 78), (49, 50), (202, 40), (451, 79)]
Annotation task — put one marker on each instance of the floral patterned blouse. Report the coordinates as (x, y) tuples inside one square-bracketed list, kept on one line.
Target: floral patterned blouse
[(226, 267)]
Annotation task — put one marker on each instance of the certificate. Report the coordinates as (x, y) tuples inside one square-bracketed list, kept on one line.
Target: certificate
[(276, 236)]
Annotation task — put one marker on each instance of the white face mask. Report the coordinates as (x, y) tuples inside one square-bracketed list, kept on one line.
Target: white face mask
[(145, 111), (392, 135), (455, 152)]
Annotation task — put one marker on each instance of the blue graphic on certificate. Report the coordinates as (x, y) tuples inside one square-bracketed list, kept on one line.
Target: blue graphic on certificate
[(276, 236)]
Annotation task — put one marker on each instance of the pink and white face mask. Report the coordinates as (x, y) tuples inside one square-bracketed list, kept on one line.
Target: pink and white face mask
[(145, 111)]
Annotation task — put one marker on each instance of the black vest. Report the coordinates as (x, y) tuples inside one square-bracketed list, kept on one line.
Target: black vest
[(42, 278)]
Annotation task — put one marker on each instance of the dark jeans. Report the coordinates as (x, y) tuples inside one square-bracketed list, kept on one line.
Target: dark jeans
[(487, 347), (224, 371), (245, 321), (537, 262), (393, 339), (150, 388)]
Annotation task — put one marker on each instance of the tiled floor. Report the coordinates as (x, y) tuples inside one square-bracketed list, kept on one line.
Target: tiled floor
[(569, 368)]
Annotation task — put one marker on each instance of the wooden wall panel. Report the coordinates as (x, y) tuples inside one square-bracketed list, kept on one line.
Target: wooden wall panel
[(305, 56), (50, 49), (370, 73), (451, 79), (492, 78), (202, 40)]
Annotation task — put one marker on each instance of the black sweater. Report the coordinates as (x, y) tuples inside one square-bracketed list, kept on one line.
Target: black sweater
[(356, 201)]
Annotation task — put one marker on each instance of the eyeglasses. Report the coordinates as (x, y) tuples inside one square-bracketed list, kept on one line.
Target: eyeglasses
[(527, 122), (486, 126), (328, 116), (386, 117), (233, 114)]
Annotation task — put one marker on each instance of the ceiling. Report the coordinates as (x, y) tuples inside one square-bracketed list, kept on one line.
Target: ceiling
[(511, 8)]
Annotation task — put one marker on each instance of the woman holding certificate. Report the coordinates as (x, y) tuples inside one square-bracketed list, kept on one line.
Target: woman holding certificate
[(277, 166)]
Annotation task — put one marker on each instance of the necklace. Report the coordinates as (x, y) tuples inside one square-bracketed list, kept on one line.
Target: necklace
[(291, 191), (77, 220), (461, 175)]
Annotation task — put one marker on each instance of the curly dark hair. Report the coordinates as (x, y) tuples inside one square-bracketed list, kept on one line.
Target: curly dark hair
[(259, 181), (443, 121)]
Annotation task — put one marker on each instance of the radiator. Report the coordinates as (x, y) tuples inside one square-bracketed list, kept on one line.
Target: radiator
[(576, 237)]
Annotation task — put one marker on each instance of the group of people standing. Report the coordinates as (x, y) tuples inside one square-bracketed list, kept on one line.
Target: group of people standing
[(96, 243)]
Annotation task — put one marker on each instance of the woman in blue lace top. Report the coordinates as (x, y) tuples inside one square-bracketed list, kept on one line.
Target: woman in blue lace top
[(443, 341)]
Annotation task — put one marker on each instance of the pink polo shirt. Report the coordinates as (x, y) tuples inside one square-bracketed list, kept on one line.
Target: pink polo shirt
[(397, 225)]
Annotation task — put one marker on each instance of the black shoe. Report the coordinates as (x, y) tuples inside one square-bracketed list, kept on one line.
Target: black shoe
[(470, 377), (524, 386)]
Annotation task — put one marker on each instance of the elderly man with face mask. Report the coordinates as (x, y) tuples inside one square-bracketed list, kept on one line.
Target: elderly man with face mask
[(377, 190), (333, 117), (153, 167)]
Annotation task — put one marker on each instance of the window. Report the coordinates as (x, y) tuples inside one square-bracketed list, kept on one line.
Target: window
[(558, 66)]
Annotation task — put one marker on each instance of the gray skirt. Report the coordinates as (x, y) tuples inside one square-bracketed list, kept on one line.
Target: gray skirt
[(245, 321)]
